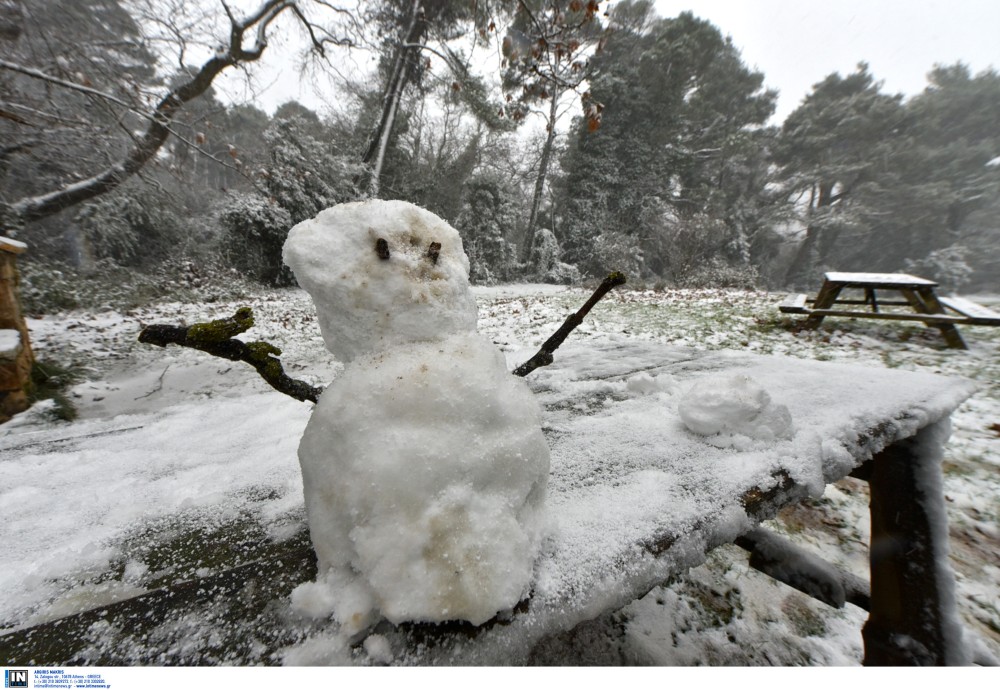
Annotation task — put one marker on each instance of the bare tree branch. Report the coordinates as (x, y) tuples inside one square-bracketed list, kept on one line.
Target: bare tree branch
[(38, 74), (543, 357), (217, 338), (160, 118)]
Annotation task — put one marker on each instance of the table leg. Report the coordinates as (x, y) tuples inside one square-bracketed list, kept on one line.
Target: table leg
[(933, 306), (824, 300), (925, 301), (871, 299), (912, 619)]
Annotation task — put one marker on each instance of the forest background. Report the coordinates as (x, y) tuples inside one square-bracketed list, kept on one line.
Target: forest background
[(670, 168)]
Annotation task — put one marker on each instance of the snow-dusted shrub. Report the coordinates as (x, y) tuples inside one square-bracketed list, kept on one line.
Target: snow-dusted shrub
[(547, 267), (488, 214), (48, 288), (614, 251), (303, 176), (256, 228), (716, 273), (703, 251), (948, 266), (132, 226)]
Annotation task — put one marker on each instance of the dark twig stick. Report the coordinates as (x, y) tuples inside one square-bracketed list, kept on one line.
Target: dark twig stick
[(217, 338), (382, 248), (434, 252), (543, 357)]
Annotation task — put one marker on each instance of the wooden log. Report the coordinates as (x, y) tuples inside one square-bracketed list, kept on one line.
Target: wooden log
[(15, 373), (784, 561)]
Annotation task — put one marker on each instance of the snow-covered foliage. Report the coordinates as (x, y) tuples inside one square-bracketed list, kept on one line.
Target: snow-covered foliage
[(303, 175), (948, 266), (488, 215), (548, 268), (256, 227), (424, 465), (132, 226)]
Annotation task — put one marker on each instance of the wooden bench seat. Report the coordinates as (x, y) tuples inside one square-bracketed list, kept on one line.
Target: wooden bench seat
[(976, 313), (794, 304)]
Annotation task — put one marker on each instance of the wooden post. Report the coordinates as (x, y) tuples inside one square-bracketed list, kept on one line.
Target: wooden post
[(15, 365), (912, 618)]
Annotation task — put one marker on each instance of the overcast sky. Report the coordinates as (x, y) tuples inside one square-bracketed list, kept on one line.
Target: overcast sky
[(796, 43)]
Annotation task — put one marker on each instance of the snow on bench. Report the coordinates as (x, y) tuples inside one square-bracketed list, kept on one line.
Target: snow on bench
[(794, 304), (978, 314)]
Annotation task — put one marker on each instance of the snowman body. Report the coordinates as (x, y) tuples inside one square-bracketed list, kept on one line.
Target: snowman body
[(424, 466)]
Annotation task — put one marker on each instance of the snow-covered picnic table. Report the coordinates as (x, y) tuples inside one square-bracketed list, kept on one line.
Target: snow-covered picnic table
[(634, 497), (921, 299)]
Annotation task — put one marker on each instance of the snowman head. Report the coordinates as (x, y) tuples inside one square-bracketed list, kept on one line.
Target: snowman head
[(382, 273)]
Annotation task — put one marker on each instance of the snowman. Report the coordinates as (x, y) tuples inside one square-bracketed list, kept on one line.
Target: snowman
[(424, 466)]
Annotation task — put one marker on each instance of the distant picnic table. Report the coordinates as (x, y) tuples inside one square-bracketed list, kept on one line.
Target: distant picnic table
[(917, 294), (634, 499)]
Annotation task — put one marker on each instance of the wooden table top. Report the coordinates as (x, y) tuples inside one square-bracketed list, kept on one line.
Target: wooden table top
[(633, 498), (875, 280)]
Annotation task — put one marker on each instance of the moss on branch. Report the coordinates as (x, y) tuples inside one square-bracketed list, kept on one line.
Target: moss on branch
[(217, 338)]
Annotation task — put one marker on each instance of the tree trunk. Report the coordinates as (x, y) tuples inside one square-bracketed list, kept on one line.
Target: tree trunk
[(543, 171), (812, 250), (11, 20), (396, 85)]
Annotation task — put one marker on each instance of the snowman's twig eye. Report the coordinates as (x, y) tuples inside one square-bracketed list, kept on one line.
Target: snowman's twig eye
[(382, 248), (433, 252)]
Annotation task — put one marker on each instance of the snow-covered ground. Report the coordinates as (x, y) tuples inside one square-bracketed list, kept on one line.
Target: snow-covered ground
[(128, 518)]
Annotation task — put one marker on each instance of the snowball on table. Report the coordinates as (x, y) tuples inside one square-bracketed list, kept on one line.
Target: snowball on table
[(425, 470), (735, 405), (365, 301)]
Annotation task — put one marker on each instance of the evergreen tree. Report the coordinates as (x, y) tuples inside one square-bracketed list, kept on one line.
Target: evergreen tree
[(832, 149), (888, 186), (488, 214), (678, 134), (305, 172)]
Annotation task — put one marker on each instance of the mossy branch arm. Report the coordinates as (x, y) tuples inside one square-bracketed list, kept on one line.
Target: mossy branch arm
[(544, 357), (217, 339)]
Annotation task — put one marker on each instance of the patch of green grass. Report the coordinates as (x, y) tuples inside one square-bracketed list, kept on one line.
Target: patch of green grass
[(804, 620), (49, 381)]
